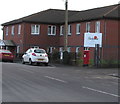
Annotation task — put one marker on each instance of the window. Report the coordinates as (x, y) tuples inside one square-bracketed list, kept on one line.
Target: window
[(61, 52), (18, 49), (29, 51), (61, 30), (6, 31), (35, 29), (50, 49), (78, 29), (97, 27), (12, 31), (88, 27), (51, 30), (69, 29), (61, 49), (77, 49), (68, 49), (19, 29)]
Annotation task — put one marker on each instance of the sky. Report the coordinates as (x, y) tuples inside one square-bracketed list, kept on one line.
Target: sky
[(14, 9)]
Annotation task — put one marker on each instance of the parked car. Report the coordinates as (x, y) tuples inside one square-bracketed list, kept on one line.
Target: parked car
[(6, 55), (35, 55)]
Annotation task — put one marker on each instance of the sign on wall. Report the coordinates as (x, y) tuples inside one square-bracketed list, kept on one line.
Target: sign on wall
[(2, 43), (90, 39)]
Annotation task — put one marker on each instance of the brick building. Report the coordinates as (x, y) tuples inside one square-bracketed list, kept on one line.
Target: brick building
[(46, 28)]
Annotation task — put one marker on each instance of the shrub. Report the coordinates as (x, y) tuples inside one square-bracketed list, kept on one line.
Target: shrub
[(79, 62), (110, 63), (66, 57), (91, 64), (79, 59)]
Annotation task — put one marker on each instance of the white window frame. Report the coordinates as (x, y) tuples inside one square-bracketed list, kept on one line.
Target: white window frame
[(61, 52), (35, 29), (61, 30), (51, 49), (97, 27), (51, 27), (88, 27), (69, 29), (77, 49), (78, 29), (69, 49), (19, 29), (12, 30), (18, 49), (61, 49), (6, 31)]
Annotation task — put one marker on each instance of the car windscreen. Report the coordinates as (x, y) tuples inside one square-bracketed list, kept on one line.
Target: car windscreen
[(39, 51), (5, 51)]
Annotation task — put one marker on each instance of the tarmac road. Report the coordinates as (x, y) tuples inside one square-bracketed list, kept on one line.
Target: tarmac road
[(58, 83)]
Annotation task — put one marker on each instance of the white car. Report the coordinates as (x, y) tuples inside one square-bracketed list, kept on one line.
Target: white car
[(35, 55)]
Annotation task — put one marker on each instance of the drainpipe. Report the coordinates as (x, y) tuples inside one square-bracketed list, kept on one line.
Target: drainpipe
[(24, 39), (105, 38)]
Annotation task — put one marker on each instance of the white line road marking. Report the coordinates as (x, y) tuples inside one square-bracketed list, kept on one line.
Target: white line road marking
[(101, 91), (56, 79)]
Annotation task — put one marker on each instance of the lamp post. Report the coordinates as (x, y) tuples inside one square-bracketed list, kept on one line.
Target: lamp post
[(66, 26)]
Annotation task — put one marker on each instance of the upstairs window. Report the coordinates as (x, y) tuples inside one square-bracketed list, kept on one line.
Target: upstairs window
[(51, 30), (19, 29), (88, 27), (97, 27), (35, 29), (78, 29), (69, 29), (61, 30), (12, 30), (6, 31)]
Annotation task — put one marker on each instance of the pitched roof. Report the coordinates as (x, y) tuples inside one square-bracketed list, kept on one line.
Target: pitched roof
[(50, 16), (109, 12), (56, 16)]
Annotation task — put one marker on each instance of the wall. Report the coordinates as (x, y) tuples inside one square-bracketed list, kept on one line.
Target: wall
[(17, 38), (110, 40), (108, 28)]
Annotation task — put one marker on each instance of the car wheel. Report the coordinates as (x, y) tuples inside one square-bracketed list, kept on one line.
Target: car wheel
[(30, 62), (11, 61), (23, 62), (46, 64)]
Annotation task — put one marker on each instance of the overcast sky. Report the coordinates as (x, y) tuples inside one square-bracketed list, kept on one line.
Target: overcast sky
[(14, 9)]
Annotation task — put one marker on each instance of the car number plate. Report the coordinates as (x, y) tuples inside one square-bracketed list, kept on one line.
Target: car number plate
[(40, 59), (6, 55)]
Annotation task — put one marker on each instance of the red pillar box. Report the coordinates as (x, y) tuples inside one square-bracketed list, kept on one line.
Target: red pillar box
[(86, 57)]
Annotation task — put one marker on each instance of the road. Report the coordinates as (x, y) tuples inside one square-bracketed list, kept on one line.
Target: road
[(26, 83)]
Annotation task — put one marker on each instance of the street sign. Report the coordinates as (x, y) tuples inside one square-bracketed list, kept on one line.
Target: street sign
[(90, 39)]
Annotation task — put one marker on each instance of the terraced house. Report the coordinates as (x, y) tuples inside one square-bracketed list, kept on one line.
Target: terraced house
[(46, 30)]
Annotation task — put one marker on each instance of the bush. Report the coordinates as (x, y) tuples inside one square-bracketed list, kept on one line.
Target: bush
[(91, 63), (66, 57), (56, 56), (79, 62), (79, 59), (110, 63)]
